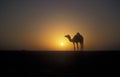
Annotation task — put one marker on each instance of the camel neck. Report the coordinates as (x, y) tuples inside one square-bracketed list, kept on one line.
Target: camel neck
[(70, 39)]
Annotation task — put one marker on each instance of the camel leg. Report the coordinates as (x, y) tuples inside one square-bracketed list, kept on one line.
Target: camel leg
[(81, 46), (74, 46), (77, 47)]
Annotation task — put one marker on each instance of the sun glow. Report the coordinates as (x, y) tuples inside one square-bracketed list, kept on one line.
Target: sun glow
[(62, 44)]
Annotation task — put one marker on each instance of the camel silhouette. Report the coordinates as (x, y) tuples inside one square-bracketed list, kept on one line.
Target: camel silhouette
[(78, 38)]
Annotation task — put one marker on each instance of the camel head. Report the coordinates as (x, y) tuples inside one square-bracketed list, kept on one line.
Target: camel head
[(68, 36)]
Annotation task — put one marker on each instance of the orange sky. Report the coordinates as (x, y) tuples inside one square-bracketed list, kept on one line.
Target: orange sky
[(42, 25)]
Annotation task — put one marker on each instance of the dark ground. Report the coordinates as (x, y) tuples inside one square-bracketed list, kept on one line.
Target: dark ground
[(46, 63)]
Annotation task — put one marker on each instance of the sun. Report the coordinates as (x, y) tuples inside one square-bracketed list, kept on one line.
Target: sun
[(62, 44)]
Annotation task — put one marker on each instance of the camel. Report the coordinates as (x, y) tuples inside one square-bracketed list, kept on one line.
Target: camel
[(78, 38)]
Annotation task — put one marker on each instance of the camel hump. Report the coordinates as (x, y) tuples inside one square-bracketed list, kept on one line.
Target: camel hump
[(79, 35)]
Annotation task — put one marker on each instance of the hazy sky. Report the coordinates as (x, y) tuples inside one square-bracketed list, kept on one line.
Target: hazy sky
[(42, 24)]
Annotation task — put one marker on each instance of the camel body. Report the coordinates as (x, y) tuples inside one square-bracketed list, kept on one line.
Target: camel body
[(78, 38)]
